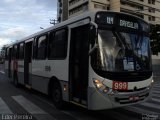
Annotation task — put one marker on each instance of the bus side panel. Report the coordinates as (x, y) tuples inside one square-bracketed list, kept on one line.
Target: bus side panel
[(40, 83), (10, 63), (12, 72), (6, 67), (21, 72), (39, 77), (59, 69), (43, 70)]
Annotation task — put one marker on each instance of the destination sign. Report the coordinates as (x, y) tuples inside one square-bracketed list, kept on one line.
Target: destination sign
[(109, 20), (103, 18), (128, 24), (119, 20)]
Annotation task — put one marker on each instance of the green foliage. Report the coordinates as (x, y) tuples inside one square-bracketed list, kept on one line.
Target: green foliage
[(155, 39)]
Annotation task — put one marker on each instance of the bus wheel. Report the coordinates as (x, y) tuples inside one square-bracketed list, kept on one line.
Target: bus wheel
[(16, 81), (57, 96)]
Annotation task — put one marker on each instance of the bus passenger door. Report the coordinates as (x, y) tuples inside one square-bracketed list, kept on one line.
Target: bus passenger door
[(78, 65), (27, 62), (9, 62)]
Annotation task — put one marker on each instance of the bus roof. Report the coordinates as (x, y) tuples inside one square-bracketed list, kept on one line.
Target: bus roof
[(89, 14)]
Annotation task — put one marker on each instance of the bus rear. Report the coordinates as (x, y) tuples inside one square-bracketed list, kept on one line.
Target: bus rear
[(120, 69)]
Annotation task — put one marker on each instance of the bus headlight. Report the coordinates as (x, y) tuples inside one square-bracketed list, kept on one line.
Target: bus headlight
[(98, 84), (102, 88), (152, 81)]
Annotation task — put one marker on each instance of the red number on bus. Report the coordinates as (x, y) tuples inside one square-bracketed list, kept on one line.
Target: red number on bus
[(116, 85)]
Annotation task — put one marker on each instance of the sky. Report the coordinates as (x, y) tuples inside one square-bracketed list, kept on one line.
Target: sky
[(20, 18)]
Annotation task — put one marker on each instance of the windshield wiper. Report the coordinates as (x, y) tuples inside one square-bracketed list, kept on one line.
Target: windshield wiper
[(120, 41)]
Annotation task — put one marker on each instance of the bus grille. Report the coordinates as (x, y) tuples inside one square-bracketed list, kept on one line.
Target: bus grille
[(126, 100), (132, 90)]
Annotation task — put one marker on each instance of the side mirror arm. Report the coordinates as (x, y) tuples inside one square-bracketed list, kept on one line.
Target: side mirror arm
[(93, 32)]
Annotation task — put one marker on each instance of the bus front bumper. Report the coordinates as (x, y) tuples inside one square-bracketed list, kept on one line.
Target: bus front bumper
[(99, 101)]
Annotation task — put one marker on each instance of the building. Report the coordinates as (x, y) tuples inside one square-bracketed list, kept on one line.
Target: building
[(147, 9), (62, 10)]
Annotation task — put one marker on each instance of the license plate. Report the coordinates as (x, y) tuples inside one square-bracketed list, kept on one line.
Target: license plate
[(116, 85), (134, 98)]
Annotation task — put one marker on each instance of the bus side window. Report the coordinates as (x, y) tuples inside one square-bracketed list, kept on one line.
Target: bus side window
[(50, 45), (21, 51), (34, 56), (58, 44), (6, 53), (42, 47), (17, 52), (14, 52)]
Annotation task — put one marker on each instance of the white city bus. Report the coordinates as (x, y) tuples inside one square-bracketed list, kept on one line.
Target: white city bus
[(98, 60)]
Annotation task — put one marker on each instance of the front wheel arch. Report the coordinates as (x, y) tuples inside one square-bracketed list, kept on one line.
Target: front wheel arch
[(55, 91)]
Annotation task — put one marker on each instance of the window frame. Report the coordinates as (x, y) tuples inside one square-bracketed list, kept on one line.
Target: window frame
[(14, 52), (66, 44), (36, 48), (21, 53)]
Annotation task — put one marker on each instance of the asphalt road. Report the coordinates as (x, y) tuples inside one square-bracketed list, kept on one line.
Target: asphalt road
[(22, 104)]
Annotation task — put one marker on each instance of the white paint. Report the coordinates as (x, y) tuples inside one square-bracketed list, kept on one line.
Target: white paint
[(28, 106), (2, 72), (4, 109), (33, 109)]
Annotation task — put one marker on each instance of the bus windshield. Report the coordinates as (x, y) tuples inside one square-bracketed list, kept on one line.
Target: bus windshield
[(121, 51)]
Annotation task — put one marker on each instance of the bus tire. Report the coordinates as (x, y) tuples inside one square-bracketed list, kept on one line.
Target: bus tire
[(15, 80), (57, 96)]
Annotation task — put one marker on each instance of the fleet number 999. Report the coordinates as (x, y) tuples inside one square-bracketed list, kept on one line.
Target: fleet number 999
[(116, 85)]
